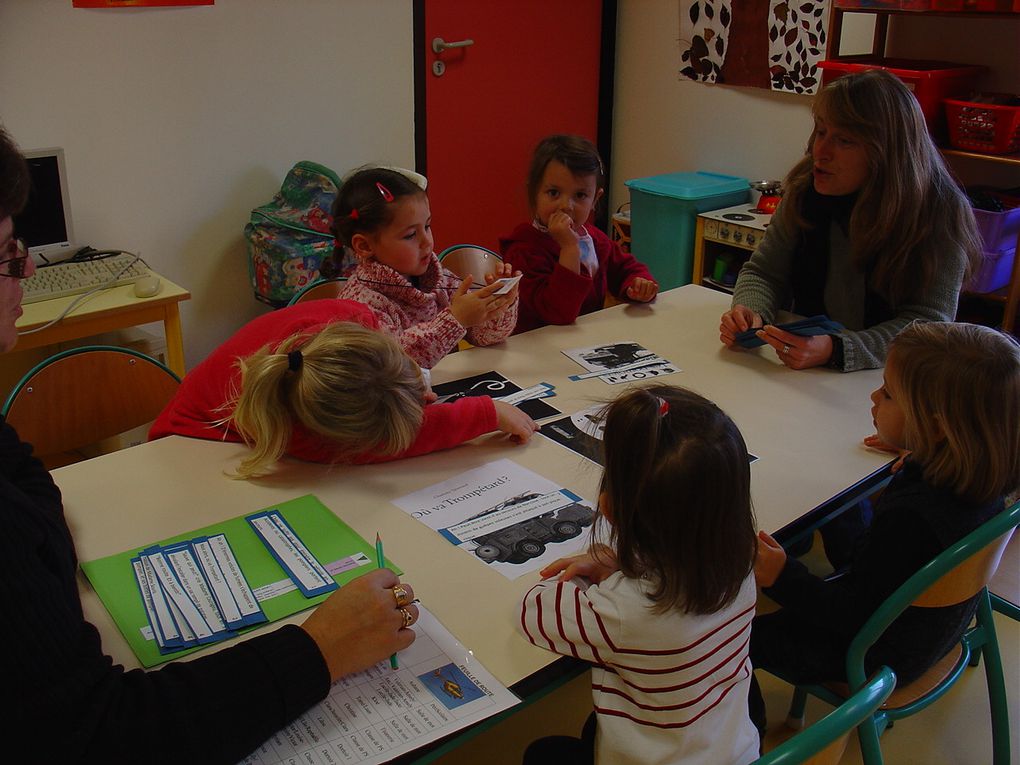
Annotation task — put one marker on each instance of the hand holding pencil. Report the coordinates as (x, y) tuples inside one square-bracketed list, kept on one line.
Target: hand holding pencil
[(363, 622)]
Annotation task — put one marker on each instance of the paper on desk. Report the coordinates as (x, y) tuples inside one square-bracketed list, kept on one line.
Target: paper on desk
[(507, 517), (619, 362), (379, 714)]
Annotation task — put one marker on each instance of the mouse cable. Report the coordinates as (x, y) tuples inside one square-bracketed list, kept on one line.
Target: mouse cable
[(106, 285)]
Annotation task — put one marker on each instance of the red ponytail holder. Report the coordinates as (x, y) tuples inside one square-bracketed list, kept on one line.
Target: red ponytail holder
[(353, 214)]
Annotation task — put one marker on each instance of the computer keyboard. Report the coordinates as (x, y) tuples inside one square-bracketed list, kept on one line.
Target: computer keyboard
[(73, 277)]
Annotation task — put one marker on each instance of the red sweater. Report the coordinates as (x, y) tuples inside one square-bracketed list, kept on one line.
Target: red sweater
[(198, 405), (552, 294)]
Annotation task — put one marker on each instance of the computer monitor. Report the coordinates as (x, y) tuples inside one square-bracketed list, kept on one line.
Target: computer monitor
[(45, 223)]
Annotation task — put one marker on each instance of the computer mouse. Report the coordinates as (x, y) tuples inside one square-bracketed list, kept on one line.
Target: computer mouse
[(147, 286)]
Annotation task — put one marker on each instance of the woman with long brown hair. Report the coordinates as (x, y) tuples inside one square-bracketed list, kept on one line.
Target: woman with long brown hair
[(872, 231)]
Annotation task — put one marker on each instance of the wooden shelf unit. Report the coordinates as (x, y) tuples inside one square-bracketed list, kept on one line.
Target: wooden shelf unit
[(1010, 294)]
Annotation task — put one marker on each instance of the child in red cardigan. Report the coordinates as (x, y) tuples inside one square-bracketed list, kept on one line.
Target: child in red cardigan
[(318, 381), (569, 266)]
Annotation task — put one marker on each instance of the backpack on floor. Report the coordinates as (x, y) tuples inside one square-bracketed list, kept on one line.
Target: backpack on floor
[(290, 244)]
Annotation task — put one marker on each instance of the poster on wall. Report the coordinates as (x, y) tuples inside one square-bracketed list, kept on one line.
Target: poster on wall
[(772, 44), (137, 3)]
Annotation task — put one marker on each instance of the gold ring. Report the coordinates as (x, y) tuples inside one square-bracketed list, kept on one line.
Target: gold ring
[(400, 595), (408, 617)]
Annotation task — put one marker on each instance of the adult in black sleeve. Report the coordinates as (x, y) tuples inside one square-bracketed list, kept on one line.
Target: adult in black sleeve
[(67, 701)]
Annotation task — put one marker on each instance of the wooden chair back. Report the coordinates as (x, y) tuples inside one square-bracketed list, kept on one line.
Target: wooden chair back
[(324, 288), (967, 579), (79, 397), (464, 259)]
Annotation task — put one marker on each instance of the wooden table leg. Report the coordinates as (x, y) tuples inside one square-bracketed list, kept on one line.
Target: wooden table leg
[(174, 339)]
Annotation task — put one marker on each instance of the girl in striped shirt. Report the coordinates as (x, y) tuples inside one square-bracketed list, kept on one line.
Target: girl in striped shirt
[(662, 603)]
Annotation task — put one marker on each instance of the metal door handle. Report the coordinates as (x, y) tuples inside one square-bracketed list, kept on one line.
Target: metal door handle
[(439, 44)]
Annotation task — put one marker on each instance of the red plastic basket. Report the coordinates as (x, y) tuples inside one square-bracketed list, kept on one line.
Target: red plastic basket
[(986, 128), (930, 81)]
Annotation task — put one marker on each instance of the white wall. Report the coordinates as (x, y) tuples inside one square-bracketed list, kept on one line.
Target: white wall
[(176, 122), (664, 124)]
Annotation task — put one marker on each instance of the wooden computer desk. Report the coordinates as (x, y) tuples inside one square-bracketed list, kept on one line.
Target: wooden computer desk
[(107, 310), (804, 426)]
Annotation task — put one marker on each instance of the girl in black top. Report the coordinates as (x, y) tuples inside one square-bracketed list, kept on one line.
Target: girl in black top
[(951, 396)]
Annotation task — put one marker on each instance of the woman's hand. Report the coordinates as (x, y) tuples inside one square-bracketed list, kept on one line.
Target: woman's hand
[(642, 290), (738, 319), (596, 565), (797, 351), (515, 423), (472, 308), (362, 623), (769, 562)]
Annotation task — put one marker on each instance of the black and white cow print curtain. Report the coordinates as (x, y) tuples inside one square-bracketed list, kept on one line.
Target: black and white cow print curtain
[(773, 44)]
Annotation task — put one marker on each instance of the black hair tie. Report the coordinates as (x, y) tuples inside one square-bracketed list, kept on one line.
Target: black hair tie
[(294, 361)]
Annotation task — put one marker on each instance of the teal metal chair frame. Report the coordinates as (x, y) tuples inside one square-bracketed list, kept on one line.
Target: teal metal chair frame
[(847, 716), (980, 638)]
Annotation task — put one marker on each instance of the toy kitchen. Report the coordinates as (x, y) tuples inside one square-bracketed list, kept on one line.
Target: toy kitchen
[(725, 239)]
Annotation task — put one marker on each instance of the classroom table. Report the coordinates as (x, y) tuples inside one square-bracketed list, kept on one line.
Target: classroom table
[(107, 310), (805, 427)]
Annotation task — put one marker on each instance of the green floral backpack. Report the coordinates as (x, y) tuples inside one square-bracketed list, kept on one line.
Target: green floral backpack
[(290, 242)]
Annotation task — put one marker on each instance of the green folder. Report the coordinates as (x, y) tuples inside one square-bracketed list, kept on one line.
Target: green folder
[(326, 536)]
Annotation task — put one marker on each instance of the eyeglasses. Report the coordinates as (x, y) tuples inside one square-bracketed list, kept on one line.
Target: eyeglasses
[(15, 263)]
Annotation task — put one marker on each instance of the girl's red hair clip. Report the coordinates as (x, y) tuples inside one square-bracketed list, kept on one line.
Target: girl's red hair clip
[(387, 194), (353, 214), (663, 407)]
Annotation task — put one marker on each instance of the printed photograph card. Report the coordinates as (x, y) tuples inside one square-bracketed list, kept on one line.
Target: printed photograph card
[(495, 385)]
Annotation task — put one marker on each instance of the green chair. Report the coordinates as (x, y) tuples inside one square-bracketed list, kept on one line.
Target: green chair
[(955, 575), (319, 290), (823, 742)]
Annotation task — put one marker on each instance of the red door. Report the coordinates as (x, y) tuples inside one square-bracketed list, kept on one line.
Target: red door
[(532, 69)]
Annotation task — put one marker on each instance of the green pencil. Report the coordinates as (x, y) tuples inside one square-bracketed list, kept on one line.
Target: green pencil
[(380, 561)]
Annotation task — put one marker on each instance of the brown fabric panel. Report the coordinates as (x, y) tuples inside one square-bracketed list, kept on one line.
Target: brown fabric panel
[(747, 54)]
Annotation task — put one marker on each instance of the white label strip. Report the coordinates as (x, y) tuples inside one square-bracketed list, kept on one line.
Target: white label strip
[(179, 597), (193, 583), (239, 586), (150, 609), (166, 625), (644, 362), (220, 589), (285, 529), (273, 589), (187, 634), (289, 554), (542, 390)]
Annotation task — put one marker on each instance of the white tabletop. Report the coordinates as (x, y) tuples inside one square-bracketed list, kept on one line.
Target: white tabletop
[(804, 425)]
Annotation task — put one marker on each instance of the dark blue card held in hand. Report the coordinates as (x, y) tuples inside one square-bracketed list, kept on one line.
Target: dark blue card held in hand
[(815, 325)]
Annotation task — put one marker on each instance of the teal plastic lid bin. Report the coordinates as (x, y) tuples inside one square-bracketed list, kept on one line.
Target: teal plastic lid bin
[(663, 214)]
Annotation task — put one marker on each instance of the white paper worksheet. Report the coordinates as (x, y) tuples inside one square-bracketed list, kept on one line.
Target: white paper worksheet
[(509, 518), (382, 713)]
